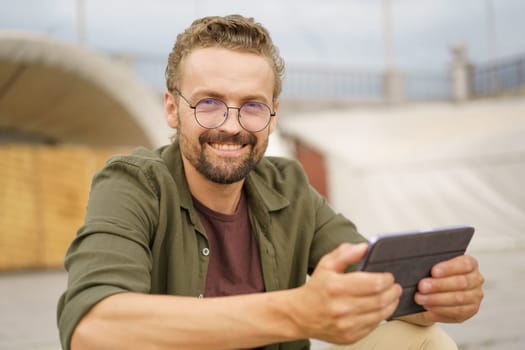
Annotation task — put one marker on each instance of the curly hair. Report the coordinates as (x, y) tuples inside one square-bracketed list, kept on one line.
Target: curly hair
[(233, 32)]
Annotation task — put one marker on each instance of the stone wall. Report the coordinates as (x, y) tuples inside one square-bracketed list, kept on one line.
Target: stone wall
[(43, 196)]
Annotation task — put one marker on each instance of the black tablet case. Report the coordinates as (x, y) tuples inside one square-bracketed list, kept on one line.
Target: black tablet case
[(409, 256)]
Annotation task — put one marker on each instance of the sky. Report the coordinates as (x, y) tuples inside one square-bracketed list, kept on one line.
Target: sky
[(345, 32)]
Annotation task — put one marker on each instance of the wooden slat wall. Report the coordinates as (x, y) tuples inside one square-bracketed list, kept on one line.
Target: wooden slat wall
[(43, 196)]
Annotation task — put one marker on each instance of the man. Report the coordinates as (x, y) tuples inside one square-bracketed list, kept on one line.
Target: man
[(206, 244)]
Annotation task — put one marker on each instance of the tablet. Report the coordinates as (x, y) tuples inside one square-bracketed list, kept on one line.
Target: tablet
[(410, 255)]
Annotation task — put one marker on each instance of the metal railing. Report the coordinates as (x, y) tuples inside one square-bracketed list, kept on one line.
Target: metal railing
[(332, 83), (341, 83), (348, 84), (498, 78)]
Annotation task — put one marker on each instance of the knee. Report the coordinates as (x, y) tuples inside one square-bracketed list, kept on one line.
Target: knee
[(437, 338)]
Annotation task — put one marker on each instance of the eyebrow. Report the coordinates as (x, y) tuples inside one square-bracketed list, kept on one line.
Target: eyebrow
[(200, 94)]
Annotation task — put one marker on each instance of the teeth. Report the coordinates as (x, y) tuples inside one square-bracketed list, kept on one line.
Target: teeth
[(227, 147)]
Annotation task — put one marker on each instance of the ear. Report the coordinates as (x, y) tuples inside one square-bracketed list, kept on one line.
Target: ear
[(273, 121), (170, 110)]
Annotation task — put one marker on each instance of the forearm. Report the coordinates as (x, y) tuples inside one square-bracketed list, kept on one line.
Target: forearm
[(141, 321)]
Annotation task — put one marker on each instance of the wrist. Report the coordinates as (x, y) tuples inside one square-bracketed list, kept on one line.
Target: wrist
[(293, 313)]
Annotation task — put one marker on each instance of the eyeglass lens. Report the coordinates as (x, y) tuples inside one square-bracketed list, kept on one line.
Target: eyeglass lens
[(211, 113)]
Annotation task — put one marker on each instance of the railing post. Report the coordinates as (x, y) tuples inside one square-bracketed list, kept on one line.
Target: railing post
[(520, 67), (460, 74), (393, 86)]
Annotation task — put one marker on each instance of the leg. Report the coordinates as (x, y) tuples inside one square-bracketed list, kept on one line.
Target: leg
[(399, 335)]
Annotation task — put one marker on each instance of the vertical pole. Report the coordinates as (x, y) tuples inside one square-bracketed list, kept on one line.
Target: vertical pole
[(81, 34), (491, 47), (460, 74), (200, 8), (392, 79), (387, 35)]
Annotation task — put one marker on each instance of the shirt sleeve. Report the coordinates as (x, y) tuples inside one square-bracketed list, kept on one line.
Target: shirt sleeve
[(111, 252), (332, 229)]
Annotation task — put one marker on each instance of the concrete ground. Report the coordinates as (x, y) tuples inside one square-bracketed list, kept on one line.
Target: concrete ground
[(28, 305)]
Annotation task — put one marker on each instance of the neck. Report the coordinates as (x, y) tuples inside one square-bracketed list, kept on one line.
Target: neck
[(222, 198)]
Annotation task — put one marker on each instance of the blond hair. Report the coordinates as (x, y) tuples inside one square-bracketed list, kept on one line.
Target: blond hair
[(233, 32)]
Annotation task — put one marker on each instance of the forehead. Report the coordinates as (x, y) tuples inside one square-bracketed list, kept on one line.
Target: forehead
[(227, 71)]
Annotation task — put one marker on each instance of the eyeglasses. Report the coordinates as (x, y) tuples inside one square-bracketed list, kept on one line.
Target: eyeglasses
[(210, 113)]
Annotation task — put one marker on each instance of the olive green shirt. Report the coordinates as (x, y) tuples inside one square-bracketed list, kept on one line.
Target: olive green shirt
[(142, 233)]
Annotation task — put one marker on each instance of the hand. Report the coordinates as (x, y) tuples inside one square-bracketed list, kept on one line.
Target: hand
[(453, 293), (344, 307)]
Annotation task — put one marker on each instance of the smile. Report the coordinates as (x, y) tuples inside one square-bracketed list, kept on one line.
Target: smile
[(227, 146)]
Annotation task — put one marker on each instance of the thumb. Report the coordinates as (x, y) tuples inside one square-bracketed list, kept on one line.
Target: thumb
[(338, 259)]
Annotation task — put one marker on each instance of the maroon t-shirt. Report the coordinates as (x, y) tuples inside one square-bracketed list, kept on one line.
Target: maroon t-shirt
[(234, 263)]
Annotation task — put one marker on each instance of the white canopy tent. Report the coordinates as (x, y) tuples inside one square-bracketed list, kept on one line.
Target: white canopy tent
[(426, 165), (71, 94)]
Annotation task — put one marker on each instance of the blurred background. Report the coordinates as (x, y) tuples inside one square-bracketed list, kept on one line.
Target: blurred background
[(406, 114)]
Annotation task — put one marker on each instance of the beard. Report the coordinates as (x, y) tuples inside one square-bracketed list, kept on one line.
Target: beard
[(223, 170)]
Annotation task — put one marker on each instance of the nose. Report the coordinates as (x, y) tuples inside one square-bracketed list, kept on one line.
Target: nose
[(231, 124)]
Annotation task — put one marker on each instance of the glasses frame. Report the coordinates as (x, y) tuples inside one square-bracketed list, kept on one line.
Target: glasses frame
[(194, 107)]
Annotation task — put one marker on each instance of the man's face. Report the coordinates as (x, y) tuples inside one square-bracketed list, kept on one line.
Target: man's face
[(228, 153)]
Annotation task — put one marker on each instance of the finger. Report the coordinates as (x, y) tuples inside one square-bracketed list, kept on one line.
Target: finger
[(387, 299), (439, 285), (473, 296), (344, 255), (383, 308), (360, 284), (449, 284), (451, 314), (385, 303), (356, 284), (456, 266)]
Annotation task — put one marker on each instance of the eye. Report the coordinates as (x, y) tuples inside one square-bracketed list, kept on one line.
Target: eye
[(210, 105), (210, 102), (254, 107)]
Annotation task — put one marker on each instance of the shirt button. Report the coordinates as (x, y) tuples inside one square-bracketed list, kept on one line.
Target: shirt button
[(270, 252), (205, 252)]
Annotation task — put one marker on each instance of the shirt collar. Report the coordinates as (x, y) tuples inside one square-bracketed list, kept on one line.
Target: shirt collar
[(173, 160), (257, 182)]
